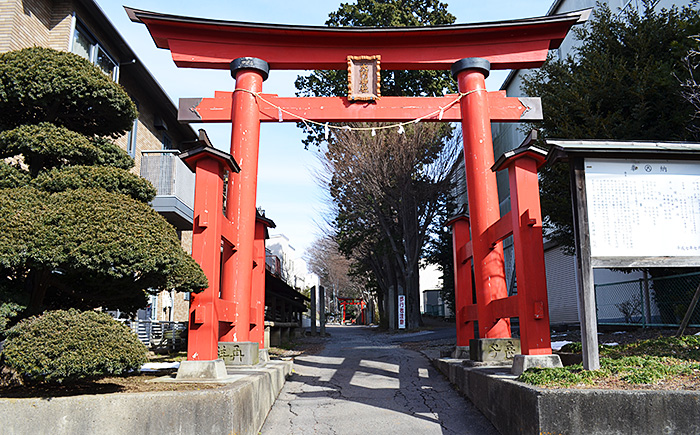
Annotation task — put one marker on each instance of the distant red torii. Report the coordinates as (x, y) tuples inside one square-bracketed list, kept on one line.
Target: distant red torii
[(344, 302)]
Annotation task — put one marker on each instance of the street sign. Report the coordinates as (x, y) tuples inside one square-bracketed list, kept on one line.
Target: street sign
[(402, 312)]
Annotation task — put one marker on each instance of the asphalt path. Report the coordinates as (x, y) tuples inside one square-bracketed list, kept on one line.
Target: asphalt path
[(364, 382)]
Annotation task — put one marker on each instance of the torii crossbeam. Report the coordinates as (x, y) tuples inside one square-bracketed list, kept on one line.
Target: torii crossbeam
[(469, 50)]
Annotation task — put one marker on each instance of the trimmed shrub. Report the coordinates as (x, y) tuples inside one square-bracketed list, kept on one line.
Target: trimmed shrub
[(104, 177), (45, 85), (63, 346)]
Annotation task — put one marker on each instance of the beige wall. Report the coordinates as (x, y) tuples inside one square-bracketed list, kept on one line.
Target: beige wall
[(28, 23)]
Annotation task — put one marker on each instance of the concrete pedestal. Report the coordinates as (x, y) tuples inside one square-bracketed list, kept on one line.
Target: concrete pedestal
[(202, 371), (264, 356), (524, 362), (461, 352)]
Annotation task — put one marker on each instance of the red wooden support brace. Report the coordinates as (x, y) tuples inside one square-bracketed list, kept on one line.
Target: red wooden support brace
[(532, 307), (206, 309), (464, 301), (257, 295)]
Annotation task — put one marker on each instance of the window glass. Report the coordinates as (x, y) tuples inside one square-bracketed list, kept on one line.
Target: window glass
[(153, 305), (167, 142), (81, 44), (104, 62), (132, 138), (85, 45)]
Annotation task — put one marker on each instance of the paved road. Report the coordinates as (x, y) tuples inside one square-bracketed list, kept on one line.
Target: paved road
[(364, 383)]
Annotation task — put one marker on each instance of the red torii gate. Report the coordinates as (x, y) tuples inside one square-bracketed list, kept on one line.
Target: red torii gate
[(469, 50), (350, 301)]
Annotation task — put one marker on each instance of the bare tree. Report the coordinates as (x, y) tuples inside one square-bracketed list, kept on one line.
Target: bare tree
[(690, 86), (387, 188), (334, 271)]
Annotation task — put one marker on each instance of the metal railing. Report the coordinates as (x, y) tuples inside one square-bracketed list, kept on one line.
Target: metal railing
[(168, 174), (159, 335), (661, 301)]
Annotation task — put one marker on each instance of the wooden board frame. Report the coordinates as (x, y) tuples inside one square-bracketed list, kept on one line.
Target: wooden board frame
[(364, 78), (575, 152)]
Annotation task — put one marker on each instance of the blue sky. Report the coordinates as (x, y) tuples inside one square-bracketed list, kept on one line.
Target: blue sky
[(287, 189)]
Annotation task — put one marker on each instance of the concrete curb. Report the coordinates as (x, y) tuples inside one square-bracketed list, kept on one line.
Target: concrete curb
[(517, 408), (237, 408)]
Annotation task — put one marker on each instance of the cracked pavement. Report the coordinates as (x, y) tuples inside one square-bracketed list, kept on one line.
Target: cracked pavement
[(363, 382)]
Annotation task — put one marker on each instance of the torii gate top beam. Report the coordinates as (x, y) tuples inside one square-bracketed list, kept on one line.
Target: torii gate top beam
[(213, 44)]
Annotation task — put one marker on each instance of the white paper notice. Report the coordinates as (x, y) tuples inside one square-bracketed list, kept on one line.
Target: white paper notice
[(639, 208)]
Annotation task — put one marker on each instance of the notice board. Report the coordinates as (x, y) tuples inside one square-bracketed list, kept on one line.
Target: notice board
[(643, 209)]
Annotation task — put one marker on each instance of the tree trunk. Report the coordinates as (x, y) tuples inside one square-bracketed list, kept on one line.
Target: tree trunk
[(413, 319), (391, 307), (412, 248), (36, 285)]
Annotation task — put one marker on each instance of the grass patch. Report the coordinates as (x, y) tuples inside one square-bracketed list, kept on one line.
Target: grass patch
[(645, 363)]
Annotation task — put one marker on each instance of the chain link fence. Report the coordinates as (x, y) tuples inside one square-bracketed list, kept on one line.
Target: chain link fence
[(435, 310), (661, 301)]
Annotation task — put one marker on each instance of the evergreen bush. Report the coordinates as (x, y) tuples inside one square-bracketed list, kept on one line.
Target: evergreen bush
[(64, 346)]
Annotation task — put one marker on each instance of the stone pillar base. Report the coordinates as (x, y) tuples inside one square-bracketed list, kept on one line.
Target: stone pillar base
[(497, 350), (239, 353), (263, 356), (461, 352), (524, 362), (201, 371)]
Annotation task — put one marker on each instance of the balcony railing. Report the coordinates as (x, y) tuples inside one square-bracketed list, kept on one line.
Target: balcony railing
[(174, 183)]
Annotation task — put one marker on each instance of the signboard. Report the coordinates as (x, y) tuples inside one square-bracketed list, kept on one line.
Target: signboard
[(364, 82), (402, 312), (643, 208)]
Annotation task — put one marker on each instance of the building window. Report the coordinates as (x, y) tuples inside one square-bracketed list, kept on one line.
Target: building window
[(226, 180), (131, 144), (85, 45), (167, 142), (152, 308)]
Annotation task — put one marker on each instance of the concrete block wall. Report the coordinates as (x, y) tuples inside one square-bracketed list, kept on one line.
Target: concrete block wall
[(239, 408), (517, 408)]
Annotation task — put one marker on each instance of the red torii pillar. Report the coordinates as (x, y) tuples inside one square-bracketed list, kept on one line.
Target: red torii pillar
[(245, 139), (489, 271)]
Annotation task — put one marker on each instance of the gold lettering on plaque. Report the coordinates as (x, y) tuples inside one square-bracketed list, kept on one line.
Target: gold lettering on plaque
[(364, 78), (364, 72)]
